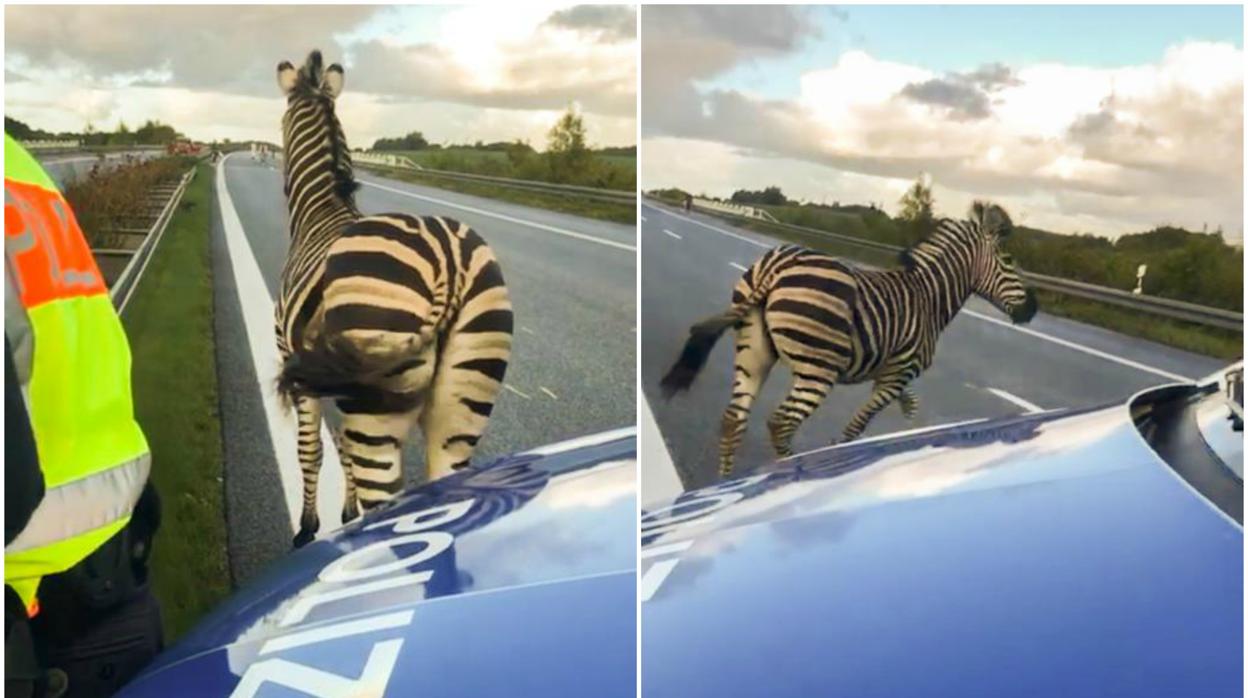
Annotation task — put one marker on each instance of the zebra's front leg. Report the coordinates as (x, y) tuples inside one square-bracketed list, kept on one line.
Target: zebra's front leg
[(308, 413), (350, 504), (887, 389)]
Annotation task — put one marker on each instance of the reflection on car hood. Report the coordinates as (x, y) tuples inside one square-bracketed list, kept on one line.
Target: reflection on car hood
[(1048, 554), (517, 577)]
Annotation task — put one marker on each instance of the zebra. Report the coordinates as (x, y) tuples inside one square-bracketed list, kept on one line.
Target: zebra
[(833, 322), (401, 320)]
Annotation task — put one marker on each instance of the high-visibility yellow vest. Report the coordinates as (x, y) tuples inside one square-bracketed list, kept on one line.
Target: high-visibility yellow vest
[(73, 362)]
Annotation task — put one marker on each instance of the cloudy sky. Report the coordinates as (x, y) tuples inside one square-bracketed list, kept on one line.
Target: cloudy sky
[(454, 73), (1104, 119)]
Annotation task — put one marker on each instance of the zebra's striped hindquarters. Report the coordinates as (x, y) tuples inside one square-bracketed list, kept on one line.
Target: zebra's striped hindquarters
[(415, 330)]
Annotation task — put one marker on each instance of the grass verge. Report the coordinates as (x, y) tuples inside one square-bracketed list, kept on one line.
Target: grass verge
[(169, 323), (602, 210), (1209, 341)]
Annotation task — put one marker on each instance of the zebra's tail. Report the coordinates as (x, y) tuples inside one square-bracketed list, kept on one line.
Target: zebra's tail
[(750, 292), (702, 338), (337, 367)]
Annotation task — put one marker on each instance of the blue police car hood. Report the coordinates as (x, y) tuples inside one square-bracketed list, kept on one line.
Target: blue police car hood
[(1044, 555), (515, 578)]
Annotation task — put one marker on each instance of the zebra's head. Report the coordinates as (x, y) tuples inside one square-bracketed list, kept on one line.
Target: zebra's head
[(995, 277), (310, 93)]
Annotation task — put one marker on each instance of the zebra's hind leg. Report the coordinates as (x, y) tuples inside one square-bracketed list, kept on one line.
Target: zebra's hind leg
[(350, 504), (470, 375), (308, 413), (754, 359), (909, 403), (806, 395), (374, 441), (887, 388)]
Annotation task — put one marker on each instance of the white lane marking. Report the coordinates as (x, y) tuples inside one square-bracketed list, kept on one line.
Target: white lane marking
[(672, 234), (659, 480), (643, 219), (526, 330), (721, 231), (546, 390), (505, 217), (1065, 343), (517, 392), (1079, 347), (257, 308), (738, 266), (1010, 397), (657, 573)]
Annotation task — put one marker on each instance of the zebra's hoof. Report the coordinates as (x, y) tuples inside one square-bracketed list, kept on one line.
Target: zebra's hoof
[(303, 537), (350, 514)]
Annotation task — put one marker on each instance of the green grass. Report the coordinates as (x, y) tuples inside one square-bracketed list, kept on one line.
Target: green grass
[(169, 323), (602, 210), (1209, 341)]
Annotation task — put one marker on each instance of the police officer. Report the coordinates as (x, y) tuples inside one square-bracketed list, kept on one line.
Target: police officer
[(79, 513)]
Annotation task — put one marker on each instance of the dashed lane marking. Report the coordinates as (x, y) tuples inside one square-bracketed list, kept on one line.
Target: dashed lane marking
[(1012, 398)]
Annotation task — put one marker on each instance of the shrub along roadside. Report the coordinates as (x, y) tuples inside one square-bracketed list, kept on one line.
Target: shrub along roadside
[(169, 323), (1210, 341), (116, 197)]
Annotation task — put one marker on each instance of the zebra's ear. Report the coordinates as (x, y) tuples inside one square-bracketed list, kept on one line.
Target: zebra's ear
[(286, 77), (331, 83), (906, 260)]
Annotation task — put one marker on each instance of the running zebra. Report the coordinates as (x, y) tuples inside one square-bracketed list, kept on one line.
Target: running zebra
[(833, 322), (403, 321)]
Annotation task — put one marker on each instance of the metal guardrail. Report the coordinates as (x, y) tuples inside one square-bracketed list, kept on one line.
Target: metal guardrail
[(612, 195), (123, 288), (1155, 305)]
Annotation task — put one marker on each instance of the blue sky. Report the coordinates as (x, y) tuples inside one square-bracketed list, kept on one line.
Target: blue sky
[(963, 37)]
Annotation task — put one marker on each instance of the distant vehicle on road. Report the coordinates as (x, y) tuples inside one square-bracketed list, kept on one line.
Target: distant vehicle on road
[(1075, 552), (183, 147), (513, 578)]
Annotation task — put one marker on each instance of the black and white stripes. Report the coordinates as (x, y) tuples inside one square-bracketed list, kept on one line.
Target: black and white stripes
[(833, 322), (402, 320)]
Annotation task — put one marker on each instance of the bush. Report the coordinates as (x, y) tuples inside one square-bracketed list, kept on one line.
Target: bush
[(107, 199)]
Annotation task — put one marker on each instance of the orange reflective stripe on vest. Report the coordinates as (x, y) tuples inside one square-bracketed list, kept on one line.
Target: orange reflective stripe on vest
[(50, 257)]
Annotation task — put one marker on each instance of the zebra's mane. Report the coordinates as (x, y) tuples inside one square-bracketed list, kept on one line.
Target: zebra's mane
[(345, 184), (983, 215)]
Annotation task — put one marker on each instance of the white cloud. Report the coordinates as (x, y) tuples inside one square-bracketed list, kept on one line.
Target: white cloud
[(1076, 148), (456, 73)]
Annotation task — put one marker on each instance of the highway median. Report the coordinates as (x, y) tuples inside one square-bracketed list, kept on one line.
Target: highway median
[(169, 323)]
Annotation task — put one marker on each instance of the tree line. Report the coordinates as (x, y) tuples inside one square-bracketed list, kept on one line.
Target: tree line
[(152, 132), (567, 159)]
